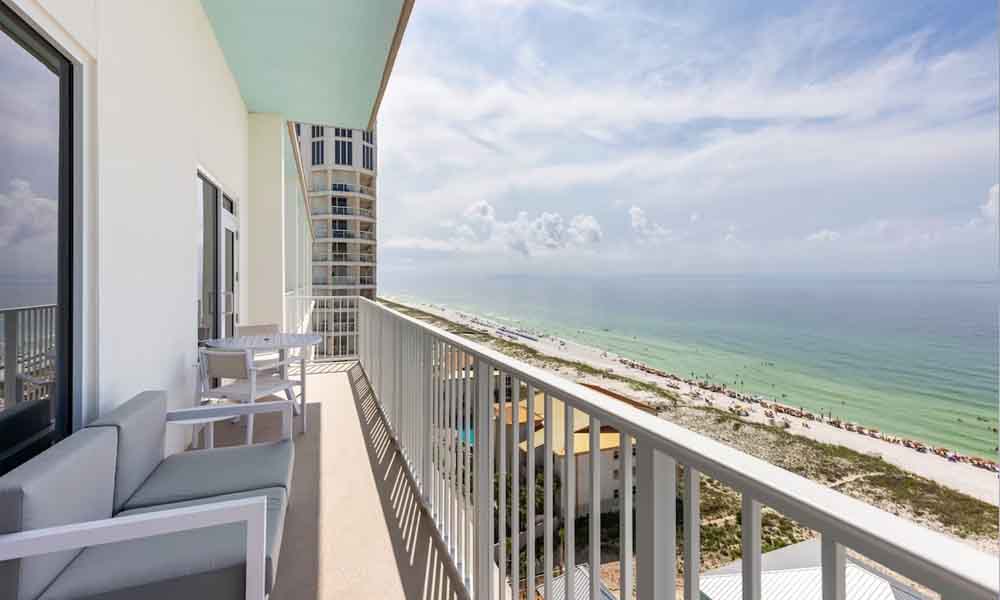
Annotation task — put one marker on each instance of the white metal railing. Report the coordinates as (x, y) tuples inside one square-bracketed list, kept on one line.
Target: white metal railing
[(28, 356), (350, 187), (334, 318), (444, 399), (366, 235), (342, 211), (342, 257)]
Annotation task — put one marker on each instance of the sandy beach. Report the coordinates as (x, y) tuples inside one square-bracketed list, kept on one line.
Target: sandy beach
[(965, 478)]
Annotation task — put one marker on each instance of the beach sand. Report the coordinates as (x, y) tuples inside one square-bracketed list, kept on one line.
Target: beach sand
[(965, 478)]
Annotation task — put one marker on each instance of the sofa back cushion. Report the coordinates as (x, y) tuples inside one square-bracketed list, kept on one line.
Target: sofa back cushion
[(141, 425), (70, 482)]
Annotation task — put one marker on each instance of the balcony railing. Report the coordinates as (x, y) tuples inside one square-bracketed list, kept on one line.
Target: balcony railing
[(28, 355), (342, 211), (346, 234), (343, 257), (439, 394), (351, 187), (366, 235)]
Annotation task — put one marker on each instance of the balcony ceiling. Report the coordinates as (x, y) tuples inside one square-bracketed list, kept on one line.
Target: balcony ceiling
[(315, 61)]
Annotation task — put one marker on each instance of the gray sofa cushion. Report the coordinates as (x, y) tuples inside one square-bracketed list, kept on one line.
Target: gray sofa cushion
[(201, 563), (70, 482), (141, 425), (204, 473)]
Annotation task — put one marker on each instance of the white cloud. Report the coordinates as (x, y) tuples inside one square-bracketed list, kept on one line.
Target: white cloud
[(479, 230), (823, 235), (992, 207), (694, 217), (24, 215), (645, 229)]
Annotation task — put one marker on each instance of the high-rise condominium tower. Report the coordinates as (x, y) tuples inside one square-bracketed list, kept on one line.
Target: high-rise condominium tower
[(340, 169)]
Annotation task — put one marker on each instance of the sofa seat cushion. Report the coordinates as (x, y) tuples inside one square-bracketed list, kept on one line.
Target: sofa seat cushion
[(205, 563), (213, 472)]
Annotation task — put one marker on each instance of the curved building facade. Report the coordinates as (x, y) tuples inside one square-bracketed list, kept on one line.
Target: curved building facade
[(341, 169)]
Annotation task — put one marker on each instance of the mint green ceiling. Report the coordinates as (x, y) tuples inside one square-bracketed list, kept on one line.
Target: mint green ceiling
[(316, 61)]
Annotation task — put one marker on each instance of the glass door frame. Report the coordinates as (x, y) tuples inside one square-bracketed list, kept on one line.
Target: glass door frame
[(60, 421), (226, 222)]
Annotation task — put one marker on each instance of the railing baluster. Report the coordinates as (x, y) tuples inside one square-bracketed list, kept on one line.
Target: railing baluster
[(515, 487), (449, 505), (750, 542), (502, 481), (834, 569), (484, 481), (595, 509), (692, 533), (625, 516), (547, 521), (467, 426), (425, 420), (656, 537), (529, 481), (569, 499)]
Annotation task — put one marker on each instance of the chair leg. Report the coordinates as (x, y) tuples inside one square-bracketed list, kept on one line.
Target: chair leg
[(249, 438), (302, 377)]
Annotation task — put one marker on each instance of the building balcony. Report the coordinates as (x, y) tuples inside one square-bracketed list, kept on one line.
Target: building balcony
[(326, 259), (393, 496), (343, 211), (345, 188)]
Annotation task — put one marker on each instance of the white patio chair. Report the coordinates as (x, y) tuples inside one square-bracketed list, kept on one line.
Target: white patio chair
[(244, 386), (267, 363)]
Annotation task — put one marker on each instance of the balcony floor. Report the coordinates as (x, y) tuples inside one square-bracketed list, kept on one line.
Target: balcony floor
[(353, 528)]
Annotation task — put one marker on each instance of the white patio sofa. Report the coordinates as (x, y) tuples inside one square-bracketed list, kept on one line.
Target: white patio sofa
[(103, 514)]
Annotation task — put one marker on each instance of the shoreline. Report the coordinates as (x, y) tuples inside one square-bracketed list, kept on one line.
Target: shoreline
[(974, 481)]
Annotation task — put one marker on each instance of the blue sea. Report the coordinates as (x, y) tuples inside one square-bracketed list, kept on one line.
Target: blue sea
[(914, 358)]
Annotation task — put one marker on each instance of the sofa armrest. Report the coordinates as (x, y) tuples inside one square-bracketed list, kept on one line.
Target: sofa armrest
[(252, 511), (208, 414)]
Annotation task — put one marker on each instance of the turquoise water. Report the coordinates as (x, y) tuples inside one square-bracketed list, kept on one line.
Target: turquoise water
[(914, 358)]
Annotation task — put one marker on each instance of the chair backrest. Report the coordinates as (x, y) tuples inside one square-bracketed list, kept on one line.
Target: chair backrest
[(224, 364), (71, 482), (262, 329), (141, 424)]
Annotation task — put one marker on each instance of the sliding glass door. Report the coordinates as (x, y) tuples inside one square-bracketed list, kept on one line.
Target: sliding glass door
[(36, 225), (219, 263)]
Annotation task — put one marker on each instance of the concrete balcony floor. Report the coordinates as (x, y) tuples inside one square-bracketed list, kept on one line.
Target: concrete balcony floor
[(354, 528)]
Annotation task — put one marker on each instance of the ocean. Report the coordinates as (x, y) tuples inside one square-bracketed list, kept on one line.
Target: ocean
[(913, 358)]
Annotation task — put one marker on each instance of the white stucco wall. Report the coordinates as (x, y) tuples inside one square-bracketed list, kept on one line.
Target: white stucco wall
[(160, 104), (266, 219)]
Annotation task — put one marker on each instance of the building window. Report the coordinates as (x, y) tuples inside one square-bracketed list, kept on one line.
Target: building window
[(298, 130), (617, 494), (317, 131), (317, 152), (342, 153), (38, 293), (614, 474), (345, 133)]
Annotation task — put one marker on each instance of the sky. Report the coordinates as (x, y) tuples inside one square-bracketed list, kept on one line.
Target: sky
[(737, 137), (29, 181)]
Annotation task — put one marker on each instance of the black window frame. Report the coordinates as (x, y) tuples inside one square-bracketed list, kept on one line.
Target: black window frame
[(61, 421)]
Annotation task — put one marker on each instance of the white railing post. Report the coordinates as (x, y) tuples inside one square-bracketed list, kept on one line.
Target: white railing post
[(656, 512), (692, 533), (515, 488), (834, 573), (10, 357), (625, 516), (425, 421), (595, 509), (751, 547), (484, 484), (529, 481), (569, 495), (502, 485), (548, 517)]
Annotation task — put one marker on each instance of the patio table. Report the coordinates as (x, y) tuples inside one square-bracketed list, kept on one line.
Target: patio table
[(280, 343)]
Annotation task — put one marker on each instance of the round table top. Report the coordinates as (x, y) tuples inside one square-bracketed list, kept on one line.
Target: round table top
[(279, 341)]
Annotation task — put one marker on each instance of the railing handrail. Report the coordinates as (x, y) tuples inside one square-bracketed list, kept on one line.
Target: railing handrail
[(24, 308), (926, 556)]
